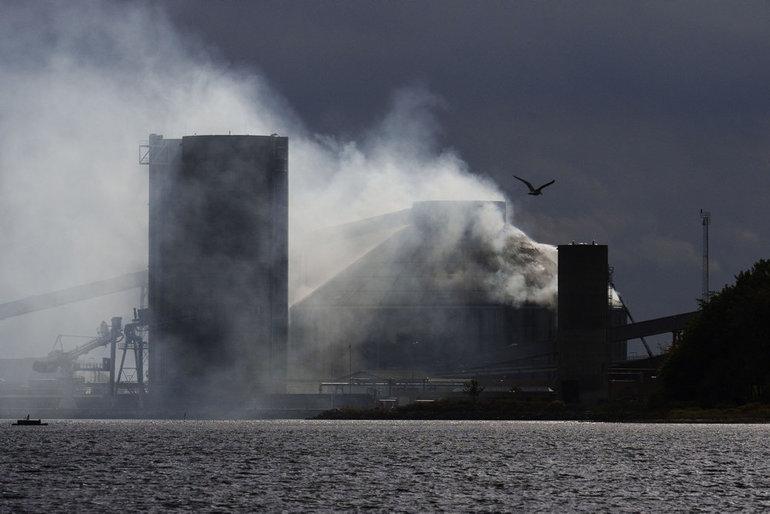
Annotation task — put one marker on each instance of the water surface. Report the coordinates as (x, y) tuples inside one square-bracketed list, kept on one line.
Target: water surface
[(393, 465)]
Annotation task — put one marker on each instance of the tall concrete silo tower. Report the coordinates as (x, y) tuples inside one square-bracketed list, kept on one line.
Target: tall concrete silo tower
[(218, 272), (584, 353)]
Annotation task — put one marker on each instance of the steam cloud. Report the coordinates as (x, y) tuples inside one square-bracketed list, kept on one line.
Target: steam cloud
[(84, 84), (515, 269)]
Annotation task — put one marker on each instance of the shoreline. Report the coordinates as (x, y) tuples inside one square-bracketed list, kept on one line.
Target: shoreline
[(468, 410)]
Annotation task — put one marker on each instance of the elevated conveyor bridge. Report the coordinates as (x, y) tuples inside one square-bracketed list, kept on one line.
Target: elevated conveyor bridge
[(79, 293), (667, 324)]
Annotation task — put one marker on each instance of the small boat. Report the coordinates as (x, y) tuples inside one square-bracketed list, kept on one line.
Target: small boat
[(27, 421)]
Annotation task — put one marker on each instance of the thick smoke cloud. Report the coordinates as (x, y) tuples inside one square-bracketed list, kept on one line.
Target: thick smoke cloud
[(517, 269), (84, 84)]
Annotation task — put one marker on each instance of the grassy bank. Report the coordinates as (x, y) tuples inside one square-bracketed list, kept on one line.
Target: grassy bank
[(505, 409)]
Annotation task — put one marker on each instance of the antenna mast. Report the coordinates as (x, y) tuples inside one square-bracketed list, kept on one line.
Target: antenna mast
[(705, 218)]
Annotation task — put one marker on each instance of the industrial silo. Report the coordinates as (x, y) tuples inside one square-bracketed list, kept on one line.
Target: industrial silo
[(584, 315), (217, 267)]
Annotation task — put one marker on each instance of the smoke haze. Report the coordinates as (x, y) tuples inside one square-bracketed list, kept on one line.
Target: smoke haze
[(84, 84)]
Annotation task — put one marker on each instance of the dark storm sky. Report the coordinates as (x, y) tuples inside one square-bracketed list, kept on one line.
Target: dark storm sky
[(644, 112)]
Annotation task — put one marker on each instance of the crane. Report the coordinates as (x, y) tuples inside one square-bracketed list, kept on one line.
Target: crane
[(59, 359)]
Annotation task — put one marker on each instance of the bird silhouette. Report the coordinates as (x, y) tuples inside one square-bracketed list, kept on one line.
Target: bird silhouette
[(535, 191)]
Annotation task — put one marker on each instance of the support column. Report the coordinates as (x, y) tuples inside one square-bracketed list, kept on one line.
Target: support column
[(114, 334)]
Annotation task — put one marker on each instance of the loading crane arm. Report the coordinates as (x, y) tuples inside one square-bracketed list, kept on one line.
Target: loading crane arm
[(59, 359)]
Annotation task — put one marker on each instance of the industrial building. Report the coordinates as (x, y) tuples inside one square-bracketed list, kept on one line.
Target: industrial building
[(411, 306), (412, 302), (218, 267)]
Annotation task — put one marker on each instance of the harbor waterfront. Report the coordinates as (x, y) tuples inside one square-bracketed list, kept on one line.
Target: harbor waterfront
[(128, 465), (436, 256)]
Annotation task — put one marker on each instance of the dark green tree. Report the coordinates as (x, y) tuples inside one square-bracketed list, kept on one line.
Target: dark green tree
[(723, 356)]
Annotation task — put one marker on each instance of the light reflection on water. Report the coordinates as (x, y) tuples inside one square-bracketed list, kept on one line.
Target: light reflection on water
[(393, 465)]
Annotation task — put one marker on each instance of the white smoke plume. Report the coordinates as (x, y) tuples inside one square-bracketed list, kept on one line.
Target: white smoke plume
[(84, 83), (519, 270)]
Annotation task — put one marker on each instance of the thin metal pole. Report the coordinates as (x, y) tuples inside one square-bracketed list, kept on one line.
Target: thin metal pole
[(120, 369), (114, 334), (705, 221), (139, 359)]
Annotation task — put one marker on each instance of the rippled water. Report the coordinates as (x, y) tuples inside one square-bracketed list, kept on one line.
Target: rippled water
[(398, 465)]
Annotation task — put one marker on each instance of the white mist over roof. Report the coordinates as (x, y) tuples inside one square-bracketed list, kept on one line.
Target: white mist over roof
[(458, 252)]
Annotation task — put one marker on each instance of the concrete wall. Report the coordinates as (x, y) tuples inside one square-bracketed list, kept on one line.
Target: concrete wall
[(426, 338)]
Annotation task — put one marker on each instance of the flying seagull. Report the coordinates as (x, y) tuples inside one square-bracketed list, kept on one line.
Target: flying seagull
[(535, 191)]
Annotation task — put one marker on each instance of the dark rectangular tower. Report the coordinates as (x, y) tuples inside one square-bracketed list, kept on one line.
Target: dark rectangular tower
[(218, 267), (583, 315)]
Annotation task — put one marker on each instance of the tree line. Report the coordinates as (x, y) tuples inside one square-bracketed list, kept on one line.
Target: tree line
[(723, 356)]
